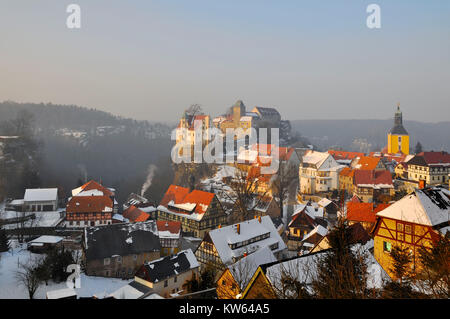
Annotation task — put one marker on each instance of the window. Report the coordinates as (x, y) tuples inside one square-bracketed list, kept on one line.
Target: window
[(134, 257), (175, 279), (408, 229), (399, 227), (165, 283), (387, 246), (106, 261), (224, 282)]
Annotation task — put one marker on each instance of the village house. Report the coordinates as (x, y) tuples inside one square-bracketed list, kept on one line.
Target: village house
[(91, 205), (236, 277), (134, 214), (318, 173), (118, 250), (368, 163), (373, 186), (305, 220), (414, 221), (169, 275), (358, 235), (268, 281), (198, 211), (142, 203), (40, 199), (363, 213), (44, 243), (346, 176), (224, 246), (169, 233), (431, 167), (344, 157)]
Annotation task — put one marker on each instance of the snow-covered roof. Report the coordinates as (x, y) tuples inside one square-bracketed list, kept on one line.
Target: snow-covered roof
[(319, 229), (244, 269), (91, 192), (224, 237), (61, 293), (40, 194), (47, 239), (315, 158), (429, 207), (324, 202)]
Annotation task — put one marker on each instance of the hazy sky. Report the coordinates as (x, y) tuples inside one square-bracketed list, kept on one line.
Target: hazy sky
[(152, 59)]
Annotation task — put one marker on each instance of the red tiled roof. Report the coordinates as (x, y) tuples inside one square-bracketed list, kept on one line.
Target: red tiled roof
[(181, 195), (435, 157), (134, 214), (91, 185), (367, 163), (347, 171), (339, 155), (372, 177), (363, 212), (89, 204), (173, 227), (355, 199)]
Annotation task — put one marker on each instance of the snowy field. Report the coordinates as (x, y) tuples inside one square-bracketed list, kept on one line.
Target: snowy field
[(10, 289)]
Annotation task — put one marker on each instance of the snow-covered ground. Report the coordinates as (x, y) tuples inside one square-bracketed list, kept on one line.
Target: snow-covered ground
[(10, 289), (43, 219)]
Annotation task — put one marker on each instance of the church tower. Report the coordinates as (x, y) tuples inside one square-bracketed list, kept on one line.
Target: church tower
[(398, 138)]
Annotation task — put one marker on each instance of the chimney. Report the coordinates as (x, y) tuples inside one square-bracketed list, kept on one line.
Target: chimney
[(238, 229), (191, 183), (422, 184)]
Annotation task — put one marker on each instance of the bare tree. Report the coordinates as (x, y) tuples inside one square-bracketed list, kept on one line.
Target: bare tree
[(284, 184), (194, 109), (242, 272), (243, 193), (292, 279), (28, 276)]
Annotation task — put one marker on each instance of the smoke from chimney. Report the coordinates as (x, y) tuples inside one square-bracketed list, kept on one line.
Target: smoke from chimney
[(148, 182)]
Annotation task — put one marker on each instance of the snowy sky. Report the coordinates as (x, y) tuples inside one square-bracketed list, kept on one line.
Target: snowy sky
[(152, 59)]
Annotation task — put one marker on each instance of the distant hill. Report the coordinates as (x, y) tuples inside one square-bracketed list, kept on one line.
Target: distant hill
[(359, 135), (80, 143)]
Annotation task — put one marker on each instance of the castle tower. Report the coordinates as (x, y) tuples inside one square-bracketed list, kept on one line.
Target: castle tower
[(398, 137)]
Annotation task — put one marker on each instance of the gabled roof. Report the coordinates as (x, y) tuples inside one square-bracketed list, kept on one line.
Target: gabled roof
[(121, 240), (92, 185), (340, 155), (244, 269), (430, 158), (134, 214), (363, 212), (178, 200), (373, 179), (168, 229), (305, 216), (428, 206), (168, 266), (347, 172), (367, 163), (88, 204), (224, 237), (315, 158), (40, 194)]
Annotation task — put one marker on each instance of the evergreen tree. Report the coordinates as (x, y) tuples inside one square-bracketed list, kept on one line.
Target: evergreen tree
[(342, 270), (400, 287), (418, 148), (4, 241), (434, 279)]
